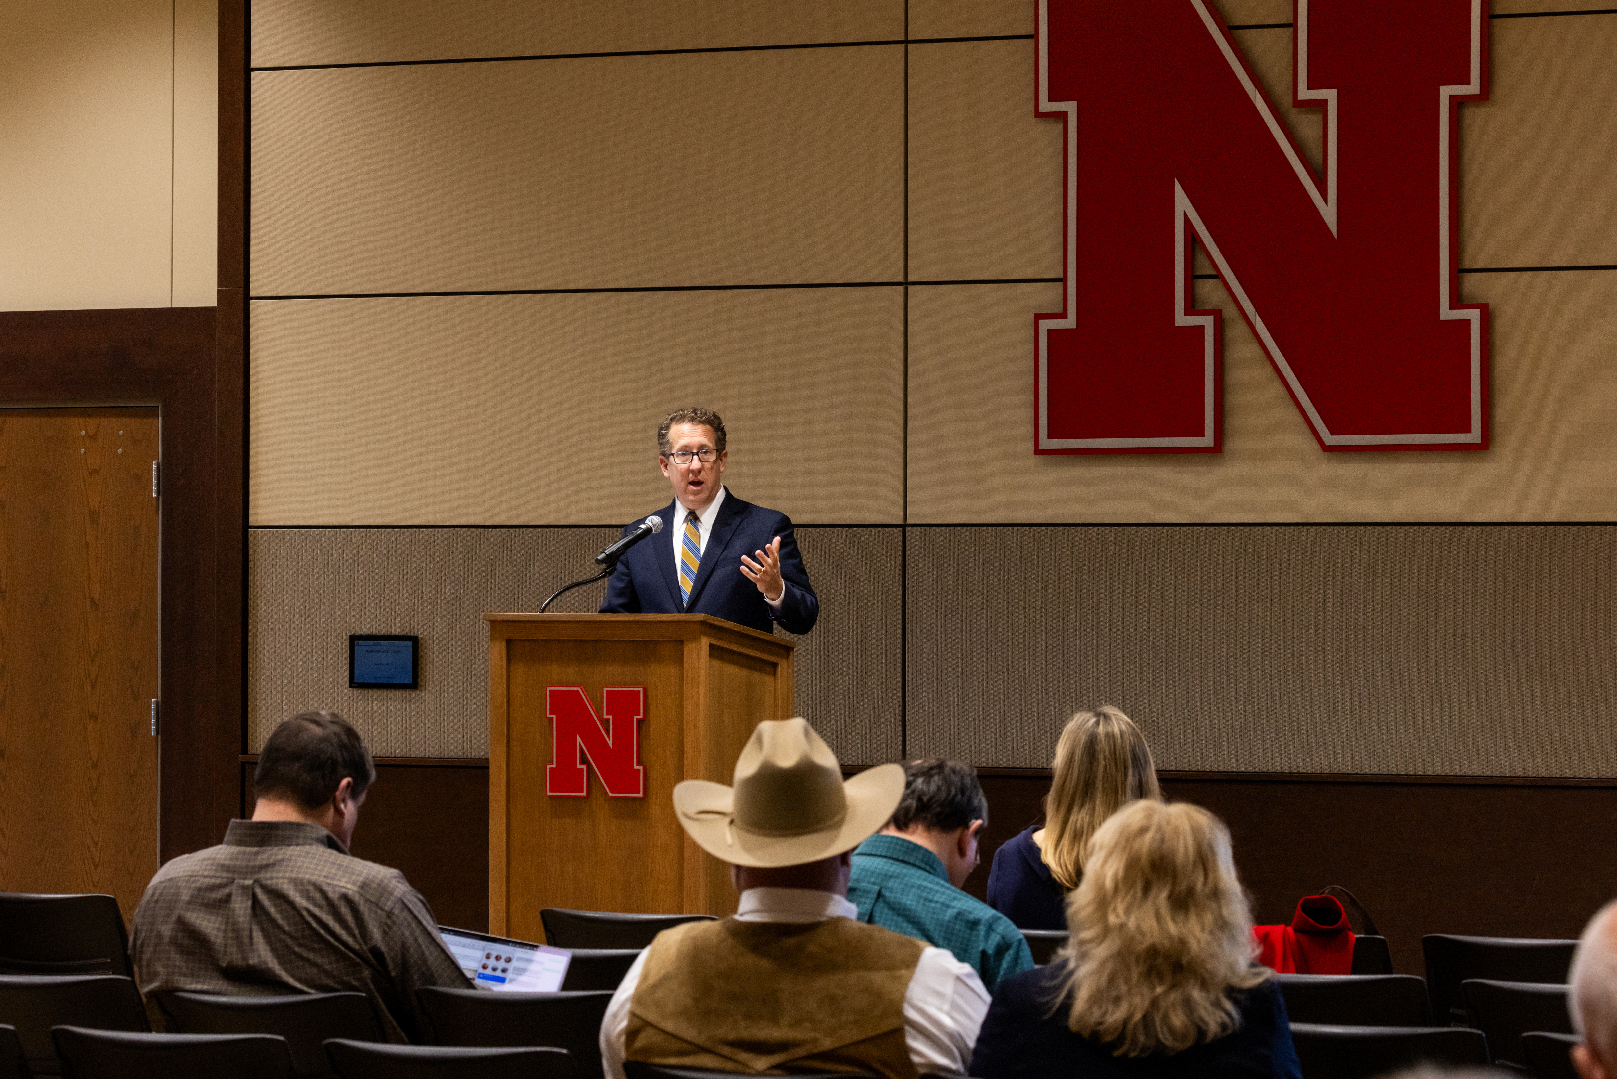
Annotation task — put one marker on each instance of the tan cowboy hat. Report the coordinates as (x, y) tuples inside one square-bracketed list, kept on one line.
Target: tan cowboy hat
[(789, 804)]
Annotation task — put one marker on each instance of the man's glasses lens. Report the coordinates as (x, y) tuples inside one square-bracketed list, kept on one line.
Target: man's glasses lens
[(707, 456)]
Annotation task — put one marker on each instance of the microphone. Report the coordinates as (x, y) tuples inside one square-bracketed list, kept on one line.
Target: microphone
[(610, 556)]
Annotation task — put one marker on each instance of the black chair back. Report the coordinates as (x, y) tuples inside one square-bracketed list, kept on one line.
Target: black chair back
[(639, 1069), (1451, 960), (305, 1020), (1349, 1052), (1362, 1000), (1044, 943), (607, 929), (570, 1021), (96, 1054), (1371, 955), (62, 934), (12, 1064), (594, 969), (367, 1060), (1504, 1011), (34, 1003), (1549, 1054)]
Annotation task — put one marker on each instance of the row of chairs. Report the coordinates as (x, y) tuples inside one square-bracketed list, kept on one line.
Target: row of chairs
[(96, 1054), (1503, 1012), (35, 1005), (85, 1053), (605, 944)]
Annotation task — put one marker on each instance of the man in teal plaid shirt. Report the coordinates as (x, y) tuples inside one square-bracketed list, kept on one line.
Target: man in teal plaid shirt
[(907, 877)]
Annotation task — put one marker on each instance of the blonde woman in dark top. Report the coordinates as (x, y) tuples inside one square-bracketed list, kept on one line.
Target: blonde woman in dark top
[(1156, 980), (1102, 763)]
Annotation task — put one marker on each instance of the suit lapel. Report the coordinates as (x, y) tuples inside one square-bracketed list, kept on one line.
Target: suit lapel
[(723, 527), (673, 517)]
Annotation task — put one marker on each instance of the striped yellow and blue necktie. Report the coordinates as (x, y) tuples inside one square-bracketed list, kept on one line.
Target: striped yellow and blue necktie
[(690, 557)]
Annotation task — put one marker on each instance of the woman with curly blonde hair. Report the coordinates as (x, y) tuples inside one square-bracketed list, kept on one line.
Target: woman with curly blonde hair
[(1156, 978), (1102, 763)]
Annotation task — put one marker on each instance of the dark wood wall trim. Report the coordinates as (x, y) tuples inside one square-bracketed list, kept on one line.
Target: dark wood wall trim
[(1501, 859), (427, 818), (232, 334), (166, 357)]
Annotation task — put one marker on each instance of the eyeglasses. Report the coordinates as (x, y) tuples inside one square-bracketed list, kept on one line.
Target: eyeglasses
[(683, 457)]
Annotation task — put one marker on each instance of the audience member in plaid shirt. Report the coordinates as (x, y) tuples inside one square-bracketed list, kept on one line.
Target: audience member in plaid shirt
[(281, 906), (907, 877)]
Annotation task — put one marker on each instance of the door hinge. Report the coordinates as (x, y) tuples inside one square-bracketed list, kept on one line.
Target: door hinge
[(154, 479), (154, 717)]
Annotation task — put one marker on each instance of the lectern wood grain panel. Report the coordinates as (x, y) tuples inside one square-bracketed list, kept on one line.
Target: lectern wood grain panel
[(707, 684)]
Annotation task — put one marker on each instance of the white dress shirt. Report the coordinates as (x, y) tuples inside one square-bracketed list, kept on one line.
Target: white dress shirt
[(944, 1005), (704, 530), (704, 523)]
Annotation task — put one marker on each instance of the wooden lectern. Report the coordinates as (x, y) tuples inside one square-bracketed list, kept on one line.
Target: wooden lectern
[(707, 684)]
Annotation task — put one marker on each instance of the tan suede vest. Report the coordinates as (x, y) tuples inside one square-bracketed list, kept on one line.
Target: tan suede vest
[(763, 996)]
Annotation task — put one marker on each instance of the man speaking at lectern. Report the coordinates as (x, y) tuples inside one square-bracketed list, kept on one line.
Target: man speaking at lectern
[(727, 558)]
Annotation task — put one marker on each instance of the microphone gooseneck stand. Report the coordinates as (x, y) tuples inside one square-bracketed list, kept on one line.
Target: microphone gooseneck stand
[(608, 559), (605, 573)]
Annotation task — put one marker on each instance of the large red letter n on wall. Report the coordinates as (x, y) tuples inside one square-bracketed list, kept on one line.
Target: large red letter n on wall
[(1347, 276), (614, 750)]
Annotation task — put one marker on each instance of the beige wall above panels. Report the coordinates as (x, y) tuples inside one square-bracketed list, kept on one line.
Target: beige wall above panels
[(732, 168), (1390, 650), (1554, 417), (543, 409), (1537, 157), (312, 32), (107, 119), (196, 152), (985, 173), (311, 588)]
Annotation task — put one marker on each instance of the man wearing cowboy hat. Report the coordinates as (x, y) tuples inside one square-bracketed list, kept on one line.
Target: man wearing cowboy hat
[(793, 981)]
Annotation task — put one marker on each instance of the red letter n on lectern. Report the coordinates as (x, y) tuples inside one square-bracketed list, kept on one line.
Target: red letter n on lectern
[(613, 750), (1348, 279)]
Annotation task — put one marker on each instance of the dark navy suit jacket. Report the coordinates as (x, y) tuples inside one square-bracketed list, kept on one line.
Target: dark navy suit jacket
[(646, 581)]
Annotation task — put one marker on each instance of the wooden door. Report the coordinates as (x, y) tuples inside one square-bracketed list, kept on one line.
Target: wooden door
[(78, 651)]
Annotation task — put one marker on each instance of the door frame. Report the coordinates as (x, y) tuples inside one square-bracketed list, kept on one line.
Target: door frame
[(169, 357)]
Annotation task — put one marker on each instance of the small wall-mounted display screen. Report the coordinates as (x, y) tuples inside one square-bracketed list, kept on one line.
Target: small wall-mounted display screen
[(382, 661)]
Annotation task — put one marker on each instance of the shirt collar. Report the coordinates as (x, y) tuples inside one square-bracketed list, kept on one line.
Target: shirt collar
[(792, 905), (704, 516), (280, 833), (899, 849)]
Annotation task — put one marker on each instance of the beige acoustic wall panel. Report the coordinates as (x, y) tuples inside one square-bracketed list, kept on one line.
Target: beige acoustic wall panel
[(311, 588), (86, 108), (1441, 650), (985, 173), (1554, 441), (972, 18), (720, 168), (290, 32), (849, 669), (544, 409), (1537, 157)]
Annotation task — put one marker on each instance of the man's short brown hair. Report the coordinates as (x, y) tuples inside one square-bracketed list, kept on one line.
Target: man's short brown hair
[(308, 757), (704, 416), (941, 796)]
